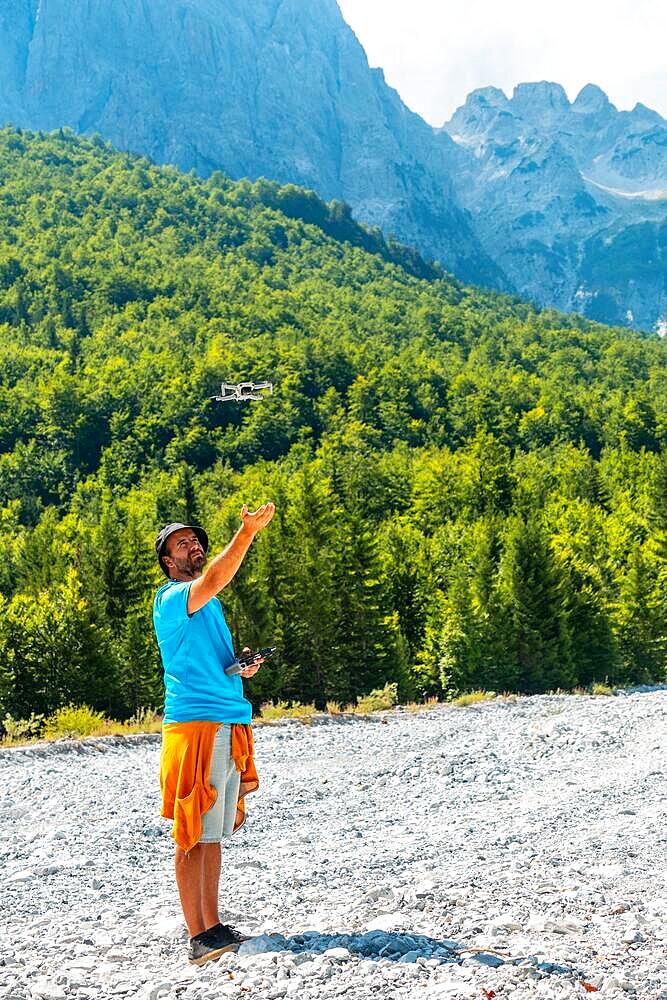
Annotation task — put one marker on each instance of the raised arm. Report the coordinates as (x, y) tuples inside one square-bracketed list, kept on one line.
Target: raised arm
[(223, 568)]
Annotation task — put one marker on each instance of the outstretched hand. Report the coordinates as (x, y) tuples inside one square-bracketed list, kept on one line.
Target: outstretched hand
[(255, 521)]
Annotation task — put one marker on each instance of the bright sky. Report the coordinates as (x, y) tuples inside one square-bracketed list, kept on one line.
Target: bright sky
[(434, 52)]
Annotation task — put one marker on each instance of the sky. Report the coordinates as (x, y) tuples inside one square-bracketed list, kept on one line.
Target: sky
[(434, 52)]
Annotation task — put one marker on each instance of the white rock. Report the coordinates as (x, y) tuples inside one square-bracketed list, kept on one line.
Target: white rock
[(617, 982), (170, 926), (279, 990), (506, 921), (23, 875), (47, 989), (308, 969), (340, 954), (386, 922)]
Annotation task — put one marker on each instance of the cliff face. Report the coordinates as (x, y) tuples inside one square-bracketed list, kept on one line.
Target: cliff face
[(569, 199), (275, 88), (560, 201)]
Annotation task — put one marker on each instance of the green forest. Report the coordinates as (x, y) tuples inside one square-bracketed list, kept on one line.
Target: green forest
[(471, 493)]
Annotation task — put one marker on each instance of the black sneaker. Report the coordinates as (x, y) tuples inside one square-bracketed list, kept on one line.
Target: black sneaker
[(228, 935), (209, 945)]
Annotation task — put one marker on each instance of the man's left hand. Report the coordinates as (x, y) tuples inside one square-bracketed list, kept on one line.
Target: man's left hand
[(253, 668)]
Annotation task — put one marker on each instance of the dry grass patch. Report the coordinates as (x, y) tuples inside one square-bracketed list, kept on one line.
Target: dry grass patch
[(74, 722), (283, 710), (19, 731), (378, 700), (473, 698), (596, 689), (422, 706), (508, 696), (601, 689)]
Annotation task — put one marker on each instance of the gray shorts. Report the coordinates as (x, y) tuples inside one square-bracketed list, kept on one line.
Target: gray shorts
[(218, 822)]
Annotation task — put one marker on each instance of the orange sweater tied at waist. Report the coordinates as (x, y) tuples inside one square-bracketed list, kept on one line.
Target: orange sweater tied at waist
[(185, 766)]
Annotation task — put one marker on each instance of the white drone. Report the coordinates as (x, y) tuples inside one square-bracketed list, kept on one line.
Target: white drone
[(243, 391)]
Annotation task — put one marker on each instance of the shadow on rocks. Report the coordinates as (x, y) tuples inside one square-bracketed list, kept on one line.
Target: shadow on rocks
[(370, 944), (396, 947)]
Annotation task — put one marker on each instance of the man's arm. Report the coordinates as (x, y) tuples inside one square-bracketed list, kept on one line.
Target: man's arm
[(223, 568)]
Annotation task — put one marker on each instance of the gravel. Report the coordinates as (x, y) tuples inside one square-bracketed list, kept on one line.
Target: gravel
[(514, 848)]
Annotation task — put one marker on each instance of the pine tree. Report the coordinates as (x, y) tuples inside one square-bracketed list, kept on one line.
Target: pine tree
[(595, 652), (658, 515), (406, 567), (370, 654), (140, 684), (488, 482), (55, 652), (532, 590), (308, 609), (140, 671), (103, 569), (641, 619), (473, 648)]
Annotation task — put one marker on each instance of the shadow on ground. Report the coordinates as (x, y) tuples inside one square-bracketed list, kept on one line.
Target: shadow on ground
[(397, 947), (377, 944)]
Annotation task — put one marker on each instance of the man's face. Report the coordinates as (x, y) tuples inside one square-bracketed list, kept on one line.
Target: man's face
[(184, 554)]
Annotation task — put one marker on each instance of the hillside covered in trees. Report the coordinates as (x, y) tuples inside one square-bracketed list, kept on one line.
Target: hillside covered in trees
[(469, 493)]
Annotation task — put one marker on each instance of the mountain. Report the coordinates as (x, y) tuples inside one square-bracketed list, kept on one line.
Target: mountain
[(275, 88), (563, 202), (570, 199)]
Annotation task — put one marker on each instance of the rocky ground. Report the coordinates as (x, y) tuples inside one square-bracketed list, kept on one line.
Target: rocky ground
[(510, 849)]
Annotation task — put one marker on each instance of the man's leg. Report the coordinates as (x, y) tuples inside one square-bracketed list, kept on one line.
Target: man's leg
[(210, 881), (198, 878)]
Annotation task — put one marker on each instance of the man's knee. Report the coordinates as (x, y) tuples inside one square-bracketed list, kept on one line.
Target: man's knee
[(196, 852), (184, 857)]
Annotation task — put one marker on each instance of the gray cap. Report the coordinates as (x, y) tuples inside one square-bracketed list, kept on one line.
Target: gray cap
[(169, 529)]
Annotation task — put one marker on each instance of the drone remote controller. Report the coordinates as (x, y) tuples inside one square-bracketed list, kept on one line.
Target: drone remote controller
[(247, 661)]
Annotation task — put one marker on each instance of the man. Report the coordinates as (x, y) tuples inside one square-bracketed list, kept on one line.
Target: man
[(206, 734)]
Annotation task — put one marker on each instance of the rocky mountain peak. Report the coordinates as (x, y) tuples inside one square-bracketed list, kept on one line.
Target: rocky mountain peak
[(591, 99), (479, 114), (485, 97), (551, 185), (533, 100), (641, 115)]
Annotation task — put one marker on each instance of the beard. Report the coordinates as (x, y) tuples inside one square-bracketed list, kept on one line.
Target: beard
[(191, 565)]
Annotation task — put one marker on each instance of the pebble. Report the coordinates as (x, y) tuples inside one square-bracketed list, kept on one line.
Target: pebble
[(443, 854)]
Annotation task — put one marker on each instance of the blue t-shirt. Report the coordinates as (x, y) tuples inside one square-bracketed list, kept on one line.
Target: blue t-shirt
[(195, 650)]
